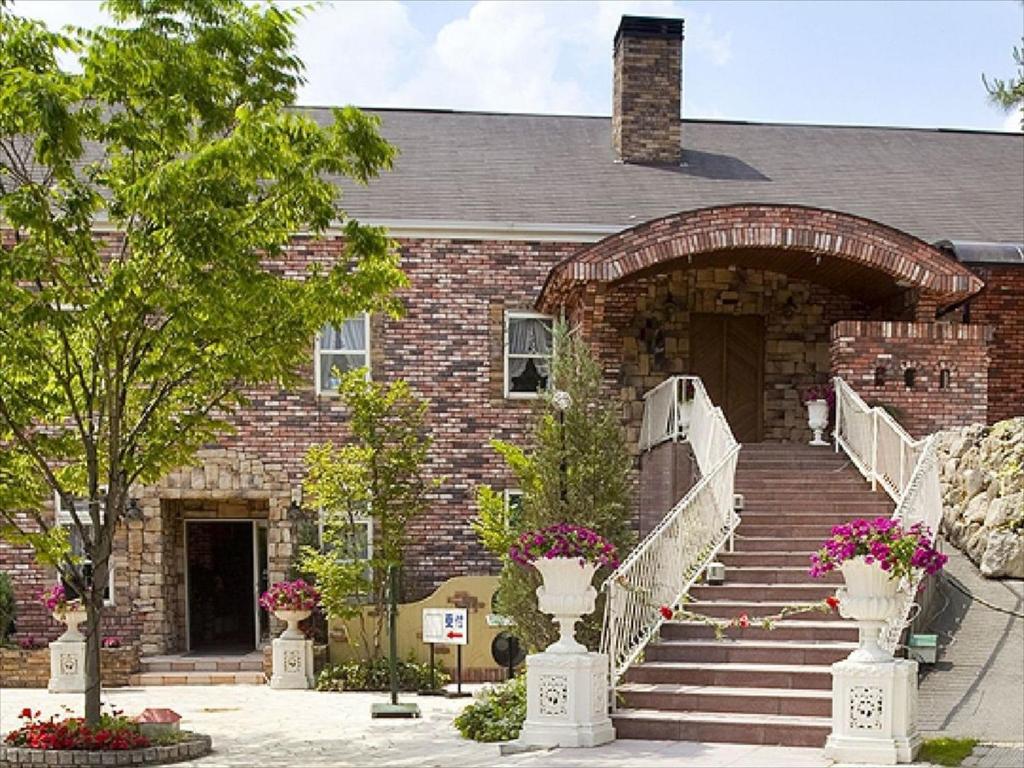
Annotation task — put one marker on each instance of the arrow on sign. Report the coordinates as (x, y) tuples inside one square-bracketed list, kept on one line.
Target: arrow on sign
[(453, 635)]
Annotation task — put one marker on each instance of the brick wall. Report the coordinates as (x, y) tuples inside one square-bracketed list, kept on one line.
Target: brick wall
[(31, 668), (874, 357), (1001, 305)]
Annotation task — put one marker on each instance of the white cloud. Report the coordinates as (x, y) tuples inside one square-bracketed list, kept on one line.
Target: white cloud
[(1014, 120)]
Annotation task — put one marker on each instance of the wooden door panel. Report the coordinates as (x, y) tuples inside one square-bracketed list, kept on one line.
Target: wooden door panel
[(727, 352)]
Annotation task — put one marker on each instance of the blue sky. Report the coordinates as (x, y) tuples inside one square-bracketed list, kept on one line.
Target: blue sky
[(914, 63)]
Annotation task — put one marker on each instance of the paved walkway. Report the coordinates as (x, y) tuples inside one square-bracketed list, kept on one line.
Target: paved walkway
[(977, 688), (254, 725)]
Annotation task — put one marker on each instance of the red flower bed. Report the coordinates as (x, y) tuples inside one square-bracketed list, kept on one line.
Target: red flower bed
[(115, 732)]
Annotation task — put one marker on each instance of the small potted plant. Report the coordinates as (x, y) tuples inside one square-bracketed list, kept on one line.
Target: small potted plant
[(69, 612), (567, 556), (291, 601), (819, 399), (877, 558)]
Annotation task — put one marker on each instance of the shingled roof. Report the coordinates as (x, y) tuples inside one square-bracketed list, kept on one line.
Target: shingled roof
[(501, 169)]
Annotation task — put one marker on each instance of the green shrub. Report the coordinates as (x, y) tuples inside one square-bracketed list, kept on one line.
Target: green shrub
[(375, 676), (497, 714), (7, 608), (946, 751)]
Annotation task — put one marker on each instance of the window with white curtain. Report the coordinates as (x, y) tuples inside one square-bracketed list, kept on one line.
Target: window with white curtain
[(78, 551), (340, 349), (527, 353)]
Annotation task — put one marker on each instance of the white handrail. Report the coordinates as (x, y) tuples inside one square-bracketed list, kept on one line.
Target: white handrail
[(664, 566), (907, 470)]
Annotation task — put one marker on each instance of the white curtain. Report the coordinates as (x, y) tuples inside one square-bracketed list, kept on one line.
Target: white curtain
[(529, 336), (351, 337)]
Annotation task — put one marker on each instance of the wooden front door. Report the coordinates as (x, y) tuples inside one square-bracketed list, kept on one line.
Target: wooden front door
[(727, 352)]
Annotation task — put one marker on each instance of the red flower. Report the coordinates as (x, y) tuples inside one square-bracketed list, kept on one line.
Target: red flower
[(833, 602), (26, 713), (743, 621), (666, 612)]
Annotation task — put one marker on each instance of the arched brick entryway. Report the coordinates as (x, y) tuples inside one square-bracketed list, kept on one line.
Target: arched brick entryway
[(829, 247)]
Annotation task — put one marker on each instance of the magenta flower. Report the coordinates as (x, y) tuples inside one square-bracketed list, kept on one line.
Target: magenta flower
[(883, 541), (564, 540)]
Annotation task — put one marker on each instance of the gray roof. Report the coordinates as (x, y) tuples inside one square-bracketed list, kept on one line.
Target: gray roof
[(547, 169)]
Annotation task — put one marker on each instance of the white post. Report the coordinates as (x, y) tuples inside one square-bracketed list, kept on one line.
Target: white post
[(837, 392), (874, 449)]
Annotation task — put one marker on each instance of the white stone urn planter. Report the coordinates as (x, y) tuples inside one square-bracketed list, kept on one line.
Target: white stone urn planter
[(566, 685), (293, 618), (67, 652), (72, 616), (292, 654), (817, 419), (568, 595), (874, 696), (871, 599)]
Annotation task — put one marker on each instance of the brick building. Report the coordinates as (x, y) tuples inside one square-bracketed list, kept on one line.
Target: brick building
[(762, 257)]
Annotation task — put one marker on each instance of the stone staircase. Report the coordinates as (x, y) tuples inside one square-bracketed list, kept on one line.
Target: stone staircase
[(241, 669), (757, 686)]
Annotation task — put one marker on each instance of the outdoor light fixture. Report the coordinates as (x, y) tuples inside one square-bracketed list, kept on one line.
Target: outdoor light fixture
[(562, 401), (133, 512)]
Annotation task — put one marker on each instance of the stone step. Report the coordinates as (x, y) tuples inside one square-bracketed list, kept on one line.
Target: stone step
[(809, 592), (185, 664), (758, 528), (778, 575), (729, 727), (776, 544), (755, 610), (733, 674), (827, 496), (791, 462), (786, 629), (767, 558), (198, 678), (705, 698), (747, 651)]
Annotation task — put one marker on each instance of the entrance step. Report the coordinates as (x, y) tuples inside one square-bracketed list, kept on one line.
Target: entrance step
[(733, 674), (201, 669), (708, 698), (779, 575), (809, 592), (748, 651), (727, 727), (810, 629), (776, 543)]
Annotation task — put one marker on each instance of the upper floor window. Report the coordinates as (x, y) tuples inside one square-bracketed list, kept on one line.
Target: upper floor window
[(513, 508), (528, 348), (340, 349), (78, 549)]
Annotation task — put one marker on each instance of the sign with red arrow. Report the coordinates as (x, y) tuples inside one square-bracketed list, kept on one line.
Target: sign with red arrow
[(449, 626)]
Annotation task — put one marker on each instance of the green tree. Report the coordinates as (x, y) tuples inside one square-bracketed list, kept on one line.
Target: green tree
[(144, 203), (1009, 94), (380, 475), (594, 490)]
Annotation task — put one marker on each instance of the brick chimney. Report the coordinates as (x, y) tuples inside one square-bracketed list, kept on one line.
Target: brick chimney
[(647, 90)]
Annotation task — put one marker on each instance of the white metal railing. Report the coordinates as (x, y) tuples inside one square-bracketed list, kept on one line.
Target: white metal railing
[(905, 468), (664, 566)]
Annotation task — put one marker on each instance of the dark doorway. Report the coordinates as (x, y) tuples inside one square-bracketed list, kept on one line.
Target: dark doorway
[(727, 352), (221, 612)]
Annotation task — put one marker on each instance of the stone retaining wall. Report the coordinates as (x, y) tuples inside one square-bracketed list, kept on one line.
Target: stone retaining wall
[(23, 757), (20, 668)]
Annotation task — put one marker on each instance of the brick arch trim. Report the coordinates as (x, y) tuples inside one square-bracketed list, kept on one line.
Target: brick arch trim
[(818, 231)]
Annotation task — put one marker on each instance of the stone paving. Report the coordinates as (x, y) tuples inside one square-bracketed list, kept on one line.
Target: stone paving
[(977, 688), (254, 725)]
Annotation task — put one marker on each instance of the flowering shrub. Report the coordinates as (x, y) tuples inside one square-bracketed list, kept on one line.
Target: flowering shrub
[(114, 732), (564, 540), (290, 596), (882, 541), (56, 599), (824, 392)]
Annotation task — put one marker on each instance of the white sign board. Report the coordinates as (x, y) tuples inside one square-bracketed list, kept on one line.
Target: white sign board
[(446, 625)]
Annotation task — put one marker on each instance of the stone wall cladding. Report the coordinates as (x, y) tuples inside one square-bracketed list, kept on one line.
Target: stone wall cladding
[(860, 348), (193, 747), (1001, 305), (30, 668)]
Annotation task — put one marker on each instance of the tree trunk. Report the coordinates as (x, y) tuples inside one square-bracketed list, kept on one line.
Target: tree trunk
[(94, 611)]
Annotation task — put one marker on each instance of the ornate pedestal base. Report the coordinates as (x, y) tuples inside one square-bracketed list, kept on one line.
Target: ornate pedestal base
[(874, 712), (67, 666), (567, 700), (293, 663)]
